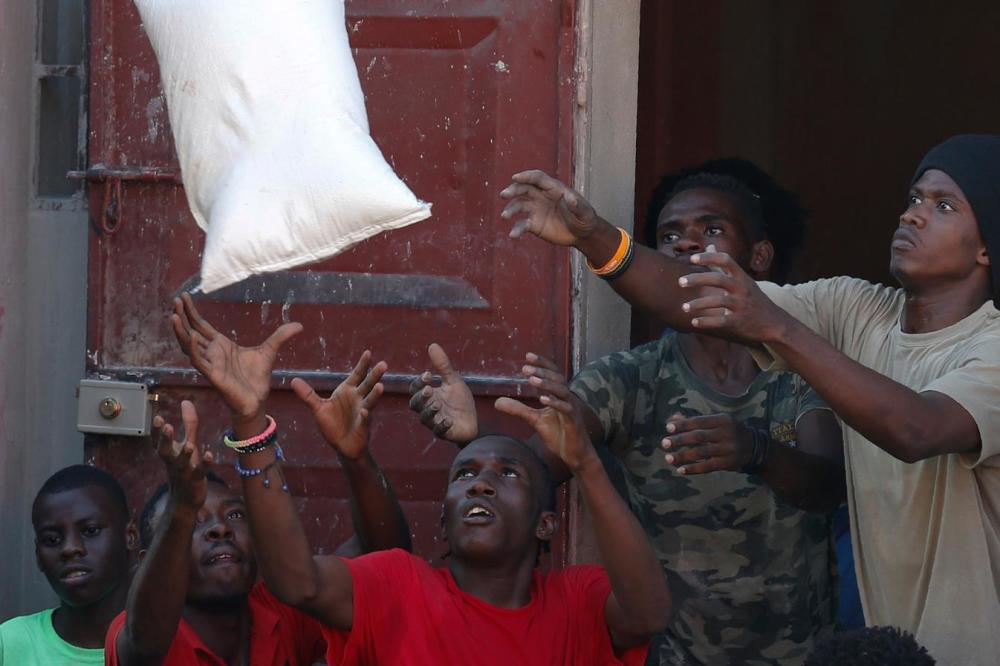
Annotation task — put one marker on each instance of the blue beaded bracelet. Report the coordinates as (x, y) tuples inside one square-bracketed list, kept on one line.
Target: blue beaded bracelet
[(250, 472)]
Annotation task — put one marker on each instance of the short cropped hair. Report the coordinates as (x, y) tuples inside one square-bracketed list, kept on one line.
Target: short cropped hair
[(782, 215), (146, 527), (83, 476), (871, 646)]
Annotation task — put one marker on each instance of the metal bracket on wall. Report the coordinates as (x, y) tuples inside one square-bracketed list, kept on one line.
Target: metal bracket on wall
[(112, 203)]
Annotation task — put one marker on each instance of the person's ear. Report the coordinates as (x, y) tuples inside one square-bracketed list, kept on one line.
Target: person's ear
[(142, 554), (131, 536), (983, 258), (548, 524), (761, 258)]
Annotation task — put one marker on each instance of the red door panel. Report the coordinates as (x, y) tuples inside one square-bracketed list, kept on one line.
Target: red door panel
[(460, 95)]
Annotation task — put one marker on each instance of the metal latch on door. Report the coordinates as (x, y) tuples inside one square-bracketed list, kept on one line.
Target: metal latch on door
[(112, 177), (114, 408)]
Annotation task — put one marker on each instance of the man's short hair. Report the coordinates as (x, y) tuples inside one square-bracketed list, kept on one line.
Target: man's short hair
[(871, 646), (783, 217), (83, 476), (148, 516)]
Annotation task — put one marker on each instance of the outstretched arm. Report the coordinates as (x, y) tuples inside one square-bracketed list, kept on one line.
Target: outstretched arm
[(156, 597), (321, 585), (639, 605), (907, 424), (343, 420), (555, 212), (449, 409)]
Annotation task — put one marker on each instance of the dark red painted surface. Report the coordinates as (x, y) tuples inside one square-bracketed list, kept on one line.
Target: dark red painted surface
[(460, 95)]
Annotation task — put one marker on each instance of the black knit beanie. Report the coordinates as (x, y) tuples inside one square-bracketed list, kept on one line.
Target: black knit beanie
[(973, 162)]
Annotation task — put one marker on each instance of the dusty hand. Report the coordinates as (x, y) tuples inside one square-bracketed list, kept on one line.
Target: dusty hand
[(550, 210), (187, 466), (739, 308), (558, 423), (700, 444), (449, 410), (241, 375), (344, 418)]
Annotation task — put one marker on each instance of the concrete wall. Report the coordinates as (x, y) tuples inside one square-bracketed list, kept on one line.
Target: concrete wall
[(42, 321), (604, 162)]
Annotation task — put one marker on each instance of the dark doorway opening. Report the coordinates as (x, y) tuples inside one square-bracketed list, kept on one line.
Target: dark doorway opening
[(839, 101)]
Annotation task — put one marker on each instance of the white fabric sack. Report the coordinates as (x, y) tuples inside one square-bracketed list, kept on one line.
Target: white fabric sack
[(271, 132)]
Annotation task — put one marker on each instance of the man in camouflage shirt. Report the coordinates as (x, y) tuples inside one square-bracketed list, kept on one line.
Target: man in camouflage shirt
[(734, 497)]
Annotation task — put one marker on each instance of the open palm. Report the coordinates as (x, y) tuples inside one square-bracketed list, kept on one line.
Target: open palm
[(241, 375), (548, 209), (344, 418)]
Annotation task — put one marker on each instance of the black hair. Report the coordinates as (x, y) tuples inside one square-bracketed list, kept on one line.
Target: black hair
[(781, 216), (147, 529), (545, 494), (871, 646), (83, 476)]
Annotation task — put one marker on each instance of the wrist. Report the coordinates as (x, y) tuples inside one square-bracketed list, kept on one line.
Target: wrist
[(586, 464), (759, 452), (781, 331), (600, 244), (362, 462), (247, 426), (180, 512)]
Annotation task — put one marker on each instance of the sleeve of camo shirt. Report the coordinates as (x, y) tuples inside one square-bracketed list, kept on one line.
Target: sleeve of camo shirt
[(608, 387)]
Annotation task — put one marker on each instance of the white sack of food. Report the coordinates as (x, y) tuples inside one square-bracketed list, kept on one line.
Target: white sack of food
[(271, 133)]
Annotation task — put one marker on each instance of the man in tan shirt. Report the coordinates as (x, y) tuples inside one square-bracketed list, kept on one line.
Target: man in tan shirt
[(913, 372)]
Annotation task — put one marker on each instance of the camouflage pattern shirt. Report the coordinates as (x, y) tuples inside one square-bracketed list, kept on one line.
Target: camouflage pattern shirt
[(750, 575)]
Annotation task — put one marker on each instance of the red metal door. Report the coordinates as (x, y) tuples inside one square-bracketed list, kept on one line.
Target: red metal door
[(460, 95)]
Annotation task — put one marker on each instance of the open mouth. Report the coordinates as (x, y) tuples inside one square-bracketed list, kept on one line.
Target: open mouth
[(75, 575), (222, 558), (477, 514)]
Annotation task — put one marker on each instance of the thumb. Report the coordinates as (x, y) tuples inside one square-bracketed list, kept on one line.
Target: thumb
[(189, 416), (283, 334), (306, 393), (441, 364), (518, 409)]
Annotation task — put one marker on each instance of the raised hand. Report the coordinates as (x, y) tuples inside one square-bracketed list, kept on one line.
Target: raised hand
[(700, 444), (736, 307), (449, 410), (550, 209), (343, 419), (187, 466), (558, 422), (241, 375)]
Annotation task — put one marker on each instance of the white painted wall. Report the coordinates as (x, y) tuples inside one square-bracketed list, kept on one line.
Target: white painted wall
[(42, 322), (604, 163)]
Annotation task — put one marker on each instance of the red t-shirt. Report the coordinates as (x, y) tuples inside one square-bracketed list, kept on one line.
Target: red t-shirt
[(279, 636), (407, 613)]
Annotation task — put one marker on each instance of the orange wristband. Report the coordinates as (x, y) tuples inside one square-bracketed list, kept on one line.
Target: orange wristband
[(615, 261)]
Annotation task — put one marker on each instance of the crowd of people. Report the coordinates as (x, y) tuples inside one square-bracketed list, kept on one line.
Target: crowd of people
[(733, 439)]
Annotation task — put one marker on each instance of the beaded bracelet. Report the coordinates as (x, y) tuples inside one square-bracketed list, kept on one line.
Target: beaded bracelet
[(250, 472), (255, 443)]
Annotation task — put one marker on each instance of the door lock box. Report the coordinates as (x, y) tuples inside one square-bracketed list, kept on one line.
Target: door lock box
[(114, 408)]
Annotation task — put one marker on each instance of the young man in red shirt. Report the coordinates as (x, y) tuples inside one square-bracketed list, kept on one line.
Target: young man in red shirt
[(195, 599), (490, 603)]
